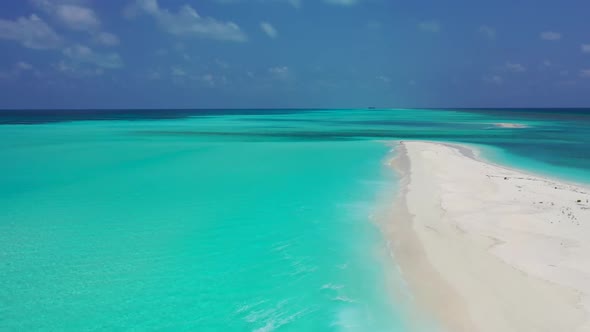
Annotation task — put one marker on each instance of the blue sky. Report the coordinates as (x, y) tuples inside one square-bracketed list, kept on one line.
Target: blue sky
[(294, 53)]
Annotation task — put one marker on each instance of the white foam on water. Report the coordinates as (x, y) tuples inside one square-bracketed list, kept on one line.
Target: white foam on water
[(342, 266), (332, 286), (344, 298), (349, 319), (274, 318)]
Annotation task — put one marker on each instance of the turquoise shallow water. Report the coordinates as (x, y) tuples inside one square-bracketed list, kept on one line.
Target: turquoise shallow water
[(228, 220)]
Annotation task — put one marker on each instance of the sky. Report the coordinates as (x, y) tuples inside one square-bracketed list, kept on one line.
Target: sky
[(294, 53)]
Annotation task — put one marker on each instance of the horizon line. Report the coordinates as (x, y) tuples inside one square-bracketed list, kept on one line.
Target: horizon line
[(295, 108)]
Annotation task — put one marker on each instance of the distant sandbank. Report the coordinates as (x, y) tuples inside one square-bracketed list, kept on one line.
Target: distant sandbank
[(487, 248), (510, 125)]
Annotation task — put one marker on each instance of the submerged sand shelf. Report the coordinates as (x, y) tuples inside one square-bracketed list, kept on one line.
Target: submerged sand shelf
[(488, 248), (510, 125)]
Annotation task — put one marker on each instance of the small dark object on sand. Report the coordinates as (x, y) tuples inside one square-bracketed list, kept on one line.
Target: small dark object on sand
[(505, 178)]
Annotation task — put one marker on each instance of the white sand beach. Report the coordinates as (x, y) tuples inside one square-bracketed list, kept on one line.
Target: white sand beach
[(488, 248)]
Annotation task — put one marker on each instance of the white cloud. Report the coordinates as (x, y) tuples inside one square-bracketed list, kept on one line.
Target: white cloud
[(342, 2), (187, 22), (208, 79), (18, 69), (84, 55), (212, 80), (585, 48), (494, 79), (222, 64), (585, 73), (178, 72), (31, 32), (566, 82), (154, 75), (384, 79), (21, 65), (280, 72), (78, 18), (487, 31), (374, 25), (294, 3), (74, 15), (162, 52), (515, 67), (70, 14), (75, 70), (107, 39), (550, 35), (269, 30), (429, 26), (180, 75)]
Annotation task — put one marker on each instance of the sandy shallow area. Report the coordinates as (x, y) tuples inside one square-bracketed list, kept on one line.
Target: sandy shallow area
[(510, 125), (488, 248)]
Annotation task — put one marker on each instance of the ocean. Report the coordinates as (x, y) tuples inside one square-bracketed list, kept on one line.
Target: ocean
[(228, 220)]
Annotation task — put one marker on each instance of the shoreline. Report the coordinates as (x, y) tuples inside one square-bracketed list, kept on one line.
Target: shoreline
[(477, 250), (477, 154)]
